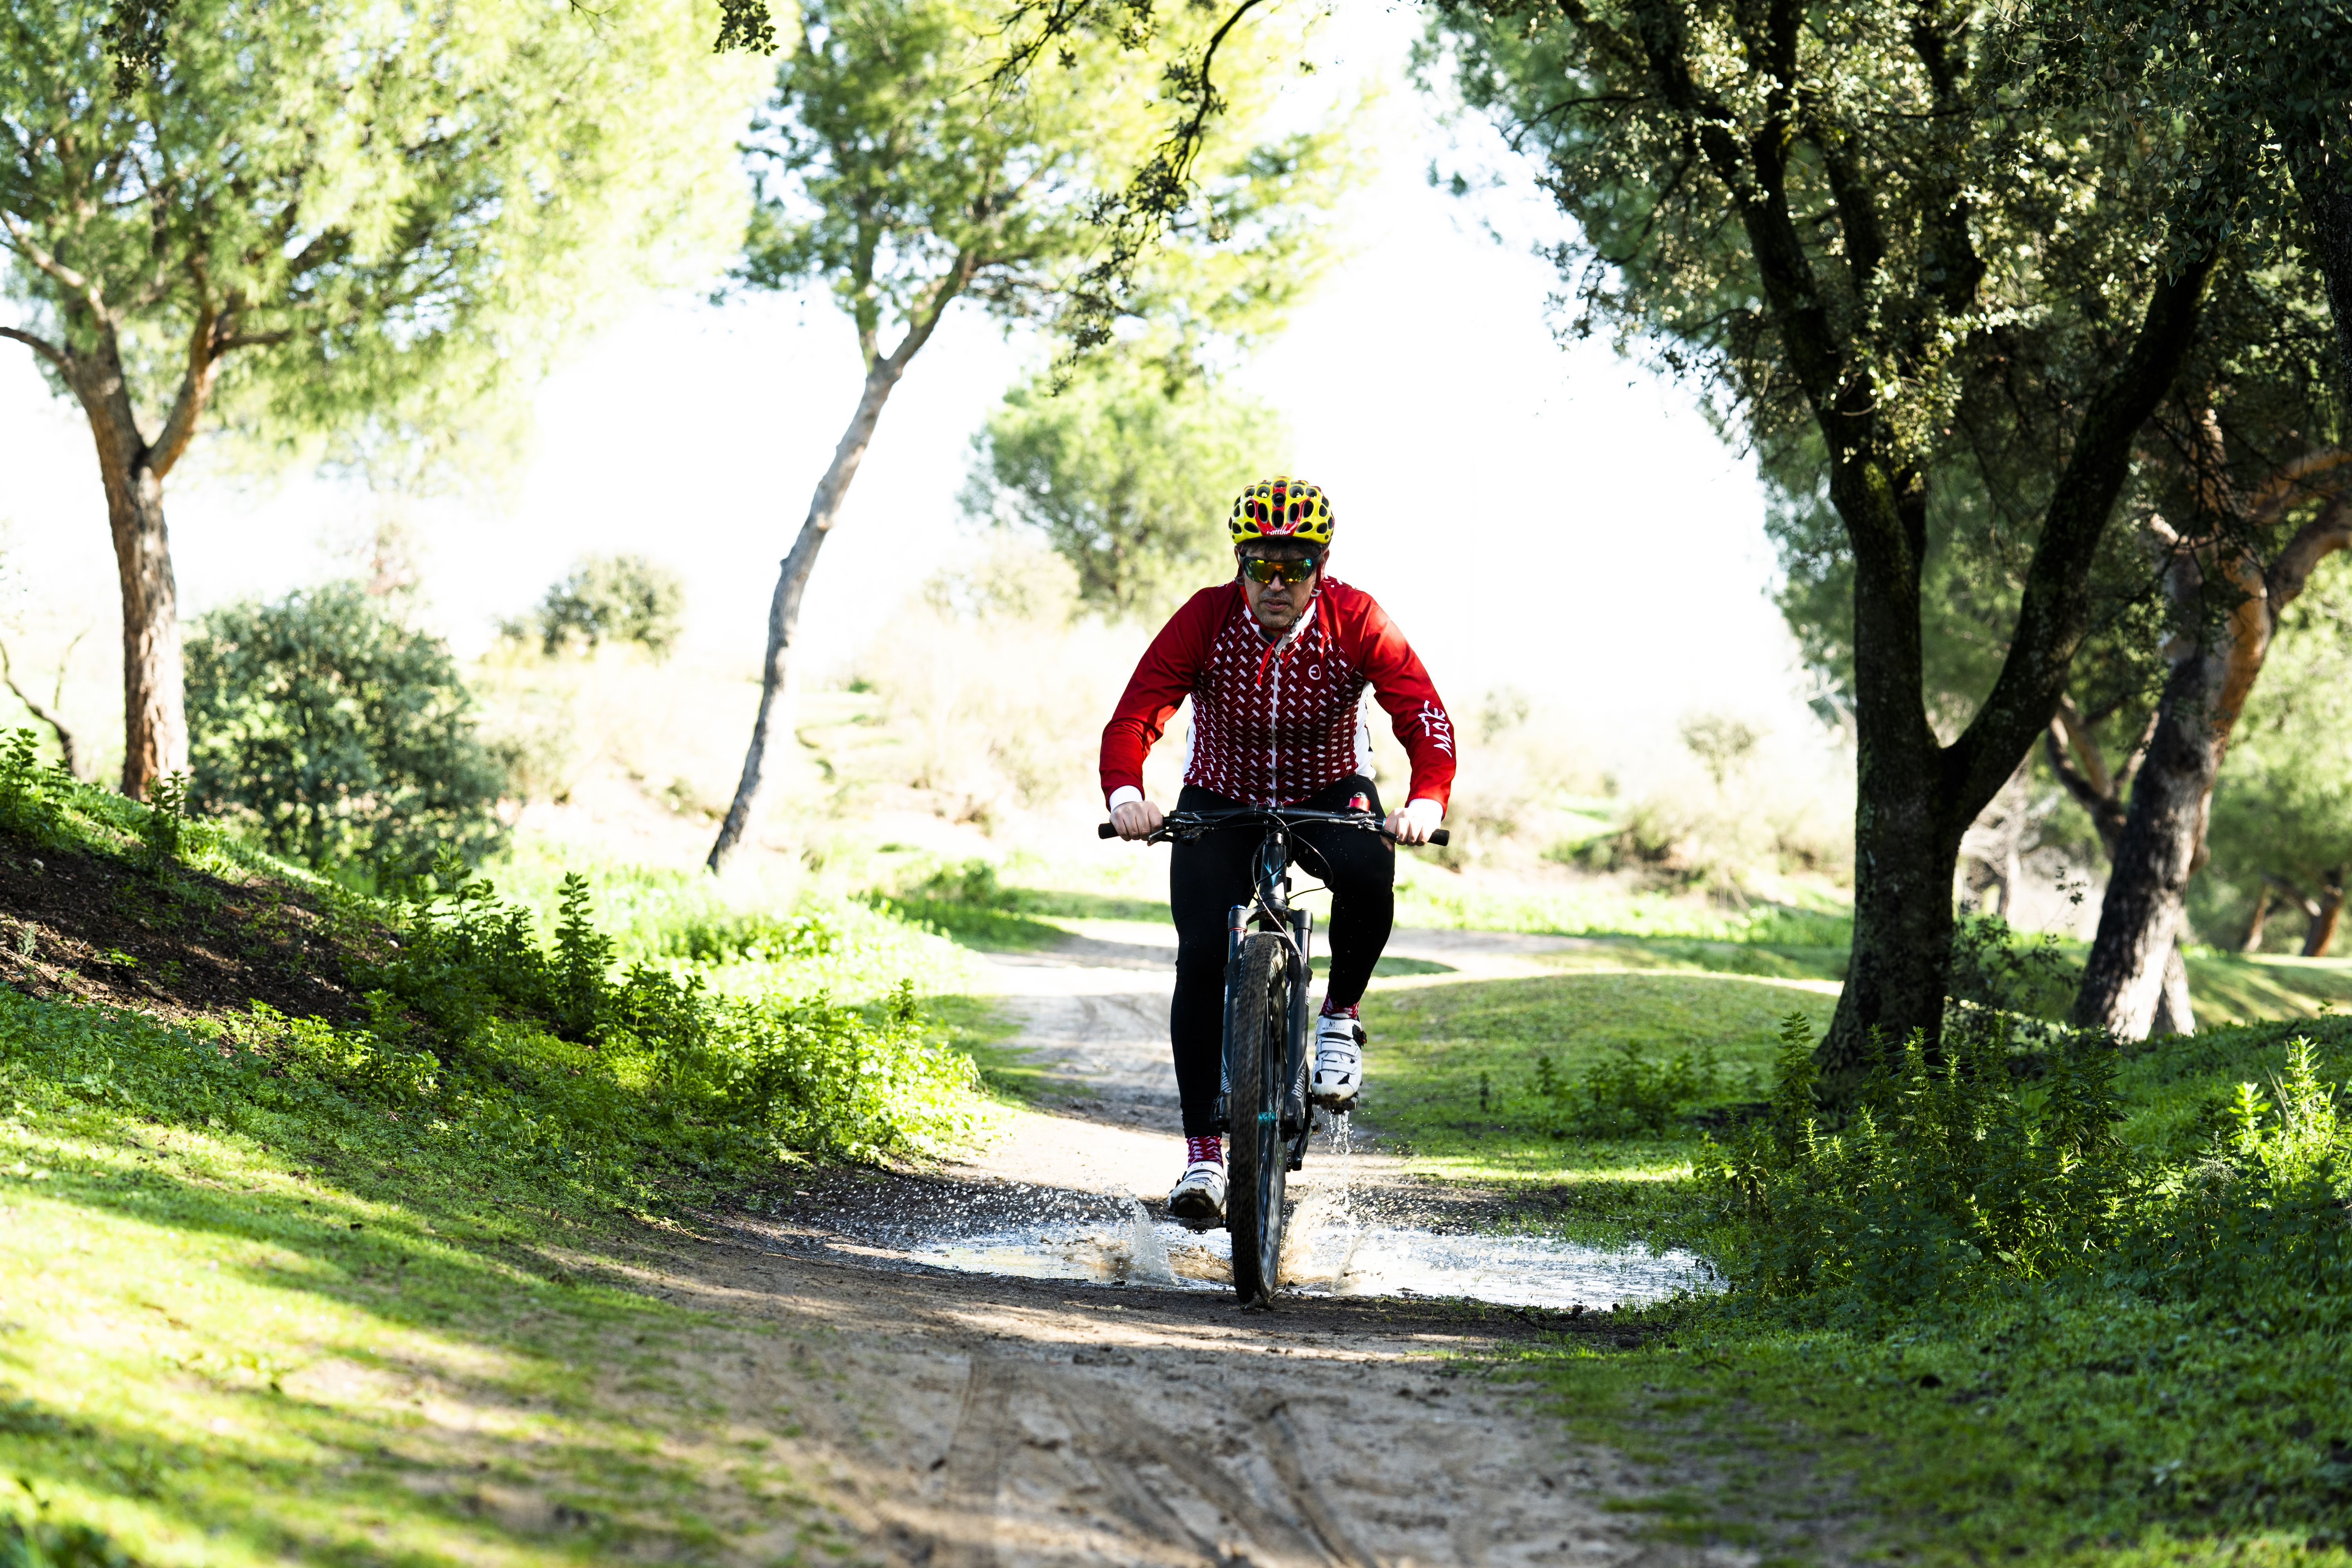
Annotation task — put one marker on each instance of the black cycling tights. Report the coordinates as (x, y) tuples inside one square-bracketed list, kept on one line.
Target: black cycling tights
[(1209, 875)]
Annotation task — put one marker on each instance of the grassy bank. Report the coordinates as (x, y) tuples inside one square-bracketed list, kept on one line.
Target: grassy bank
[(2061, 1412), (305, 1200)]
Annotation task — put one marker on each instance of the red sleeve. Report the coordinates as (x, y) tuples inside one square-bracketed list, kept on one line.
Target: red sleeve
[(1162, 679), (1402, 687)]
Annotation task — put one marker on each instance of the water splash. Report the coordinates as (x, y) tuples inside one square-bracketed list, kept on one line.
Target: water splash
[(1147, 1254), (1326, 1252)]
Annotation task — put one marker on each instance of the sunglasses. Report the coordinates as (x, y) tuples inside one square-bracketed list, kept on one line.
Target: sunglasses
[(1259, 570)]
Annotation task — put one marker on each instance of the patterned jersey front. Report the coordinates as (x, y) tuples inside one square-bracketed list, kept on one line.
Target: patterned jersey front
[(1273, 722)]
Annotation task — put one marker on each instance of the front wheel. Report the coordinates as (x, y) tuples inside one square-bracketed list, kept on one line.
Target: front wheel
[(1257, 1014)]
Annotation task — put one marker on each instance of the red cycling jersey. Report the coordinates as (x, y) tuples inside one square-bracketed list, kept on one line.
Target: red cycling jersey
[(1273, 722)]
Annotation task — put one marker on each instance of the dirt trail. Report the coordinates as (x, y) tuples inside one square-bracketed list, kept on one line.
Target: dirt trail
[(974, 1420)]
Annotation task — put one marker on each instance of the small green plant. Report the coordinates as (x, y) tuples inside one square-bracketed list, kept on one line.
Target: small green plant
[(27, 791), (1630, 1095), (164, 827), (584, 957)]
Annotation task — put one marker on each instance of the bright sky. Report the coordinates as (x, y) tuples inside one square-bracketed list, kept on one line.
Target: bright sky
[(1548, 518)]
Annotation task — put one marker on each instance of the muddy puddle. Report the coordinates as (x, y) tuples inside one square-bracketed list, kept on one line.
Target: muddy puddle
[(1329, 1249), (1334, 1260)]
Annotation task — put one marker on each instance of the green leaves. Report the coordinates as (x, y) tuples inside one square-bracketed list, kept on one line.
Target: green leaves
[(373, 222), (338, 734), (898, 163)]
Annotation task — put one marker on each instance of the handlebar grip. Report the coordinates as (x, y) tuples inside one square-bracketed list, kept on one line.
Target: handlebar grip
[(1105, 830), (1441, 837)]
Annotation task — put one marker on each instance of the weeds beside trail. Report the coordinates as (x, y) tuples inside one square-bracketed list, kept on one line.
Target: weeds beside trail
[(244, 1244)]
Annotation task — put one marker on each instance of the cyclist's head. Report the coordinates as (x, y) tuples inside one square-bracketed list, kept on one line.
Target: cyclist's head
[(1282, 509)]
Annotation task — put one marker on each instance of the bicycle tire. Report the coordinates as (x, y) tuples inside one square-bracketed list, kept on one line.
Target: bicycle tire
[(1257, 1014)]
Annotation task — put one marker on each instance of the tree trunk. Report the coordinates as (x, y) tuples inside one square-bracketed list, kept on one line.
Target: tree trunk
[(2163, 844), (1905, 848), (784, 607), (2253, 943), (2215, 666), (2315, 940), (2174, 1012), (154, 718)]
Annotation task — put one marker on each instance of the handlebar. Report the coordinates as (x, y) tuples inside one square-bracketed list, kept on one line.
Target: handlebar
[(1191, 824)]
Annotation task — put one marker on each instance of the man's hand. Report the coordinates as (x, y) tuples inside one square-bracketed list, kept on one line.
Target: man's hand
[(1416, 822), (1137, 820)]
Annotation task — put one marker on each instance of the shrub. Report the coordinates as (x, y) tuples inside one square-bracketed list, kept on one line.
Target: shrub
[(1945, 1175), (1956, 1178), (2260, 1218), (729, 1079), (337, 734), (611, 598), (1630, 1095)]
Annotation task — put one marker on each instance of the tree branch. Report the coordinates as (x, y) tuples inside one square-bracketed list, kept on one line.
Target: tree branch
[(46, 715), (195, 382), (41, 346), (31, 250), (1754, 176), (2054, 614), (2313, 543), (921, 323), (2105, 812), (2293, 483)]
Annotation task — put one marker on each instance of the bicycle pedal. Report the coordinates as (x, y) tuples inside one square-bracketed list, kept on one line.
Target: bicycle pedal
[(1199, 1226)]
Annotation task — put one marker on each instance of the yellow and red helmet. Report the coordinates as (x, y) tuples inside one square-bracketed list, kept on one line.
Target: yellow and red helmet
[(1282, 508)]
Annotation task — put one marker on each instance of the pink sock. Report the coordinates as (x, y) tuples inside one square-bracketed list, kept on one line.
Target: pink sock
[(1331, 1012), (1211, 1148)]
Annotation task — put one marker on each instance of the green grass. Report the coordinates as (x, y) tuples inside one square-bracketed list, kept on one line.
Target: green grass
[(277, 1291), (341, 1341), (2043, 1424), (1452, 1076), (2245, 988)]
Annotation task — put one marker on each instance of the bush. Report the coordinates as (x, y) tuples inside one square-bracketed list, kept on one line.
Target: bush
[(1629, 1095), (1954, 1179), (728, 1078), (1944, 1175), (337, 735), (611, 598)]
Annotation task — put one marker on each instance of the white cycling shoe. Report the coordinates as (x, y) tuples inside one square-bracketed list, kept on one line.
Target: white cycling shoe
[(1339, 1061), (1199, 1195)]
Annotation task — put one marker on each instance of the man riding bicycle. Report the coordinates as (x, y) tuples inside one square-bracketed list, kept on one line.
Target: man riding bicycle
[(1277, 663)]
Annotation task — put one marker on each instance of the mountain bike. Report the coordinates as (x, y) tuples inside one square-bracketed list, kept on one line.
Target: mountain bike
[(1265, 1107)]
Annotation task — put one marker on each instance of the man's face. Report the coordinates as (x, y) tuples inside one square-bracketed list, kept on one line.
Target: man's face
[(1279, 605)]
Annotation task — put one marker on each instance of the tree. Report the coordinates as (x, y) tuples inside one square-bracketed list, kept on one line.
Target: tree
[(610, 598), (2253, 101), (2231, 504), (2281, 816), (905, 164), (1120, 472), (1834, 217), (330, 221), (338, 734)]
